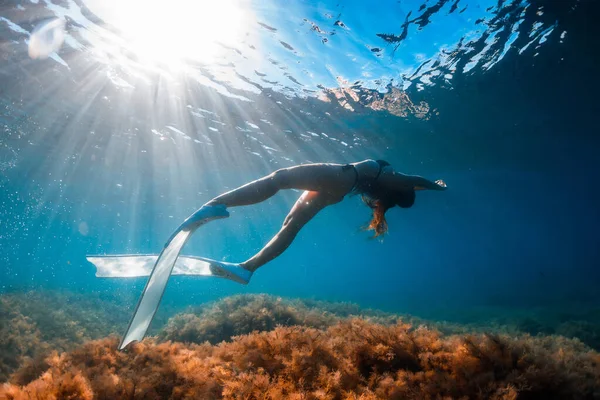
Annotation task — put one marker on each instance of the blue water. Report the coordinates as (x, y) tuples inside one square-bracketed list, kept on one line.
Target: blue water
[(105, 152)]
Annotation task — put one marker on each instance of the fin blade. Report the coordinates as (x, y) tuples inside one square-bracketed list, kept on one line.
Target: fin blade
[(140, 265), (157, 282)]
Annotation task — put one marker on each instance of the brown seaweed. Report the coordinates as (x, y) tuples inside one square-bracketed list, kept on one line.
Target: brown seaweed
[(352, 359)]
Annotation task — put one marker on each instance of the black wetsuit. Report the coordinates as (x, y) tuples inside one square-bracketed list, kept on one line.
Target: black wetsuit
[(364, 184)]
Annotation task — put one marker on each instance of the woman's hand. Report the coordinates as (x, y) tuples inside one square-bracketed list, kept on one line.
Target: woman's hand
[(441, 184)]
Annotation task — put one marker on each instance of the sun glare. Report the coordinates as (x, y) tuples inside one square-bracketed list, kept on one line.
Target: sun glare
[(171, 32)]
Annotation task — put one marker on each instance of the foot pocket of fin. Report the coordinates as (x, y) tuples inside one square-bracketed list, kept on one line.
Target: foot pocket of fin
[(231, 271), (203, 215)]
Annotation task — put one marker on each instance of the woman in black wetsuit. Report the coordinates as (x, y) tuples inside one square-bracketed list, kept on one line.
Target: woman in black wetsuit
[(324, 184)]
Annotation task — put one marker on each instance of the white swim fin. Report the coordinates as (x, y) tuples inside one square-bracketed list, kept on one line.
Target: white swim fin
[(156, 284), (138, 265)]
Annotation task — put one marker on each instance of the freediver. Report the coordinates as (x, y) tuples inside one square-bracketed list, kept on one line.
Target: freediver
[(324, 184)]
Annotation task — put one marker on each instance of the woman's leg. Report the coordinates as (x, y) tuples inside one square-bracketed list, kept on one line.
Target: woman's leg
[(323, 178), (307, 206)]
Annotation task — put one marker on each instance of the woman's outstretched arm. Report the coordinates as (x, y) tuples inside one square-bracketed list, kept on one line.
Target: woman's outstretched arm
[(398, 181)]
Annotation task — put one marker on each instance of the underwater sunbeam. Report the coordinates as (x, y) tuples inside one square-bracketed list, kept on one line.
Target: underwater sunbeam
[(170, 33)]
